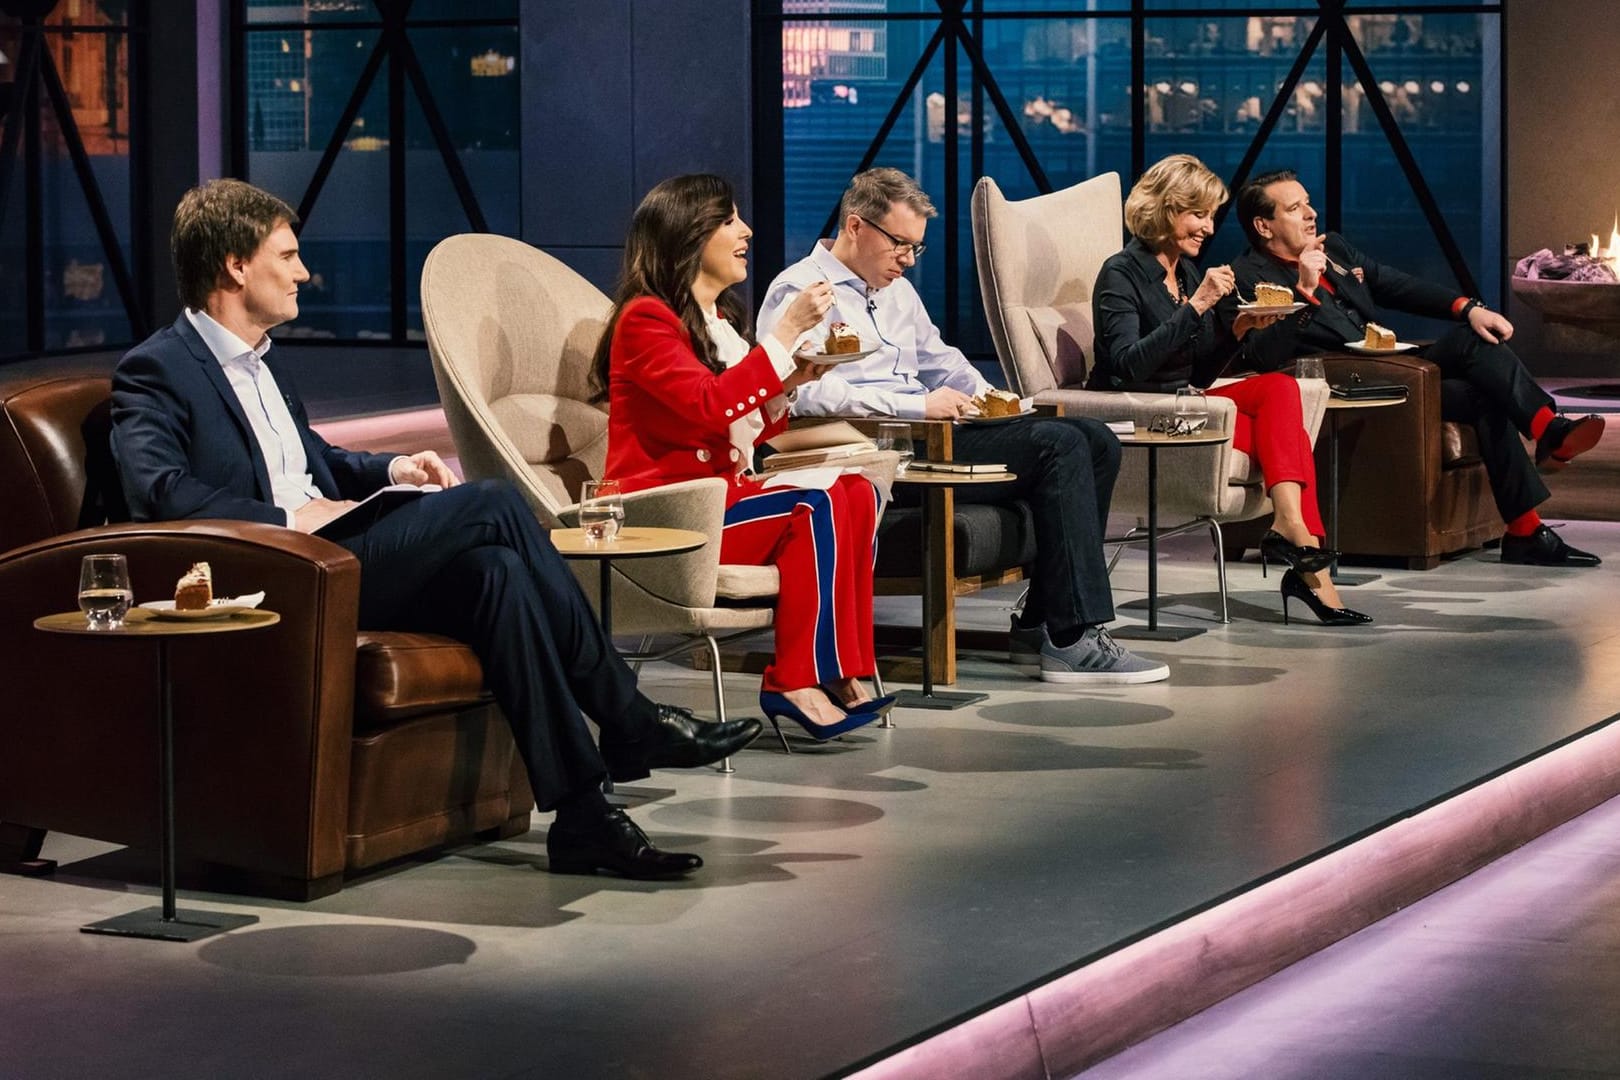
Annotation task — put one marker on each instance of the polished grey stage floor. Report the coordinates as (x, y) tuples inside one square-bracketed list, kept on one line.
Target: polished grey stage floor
[(1509, 974), (859, 894)]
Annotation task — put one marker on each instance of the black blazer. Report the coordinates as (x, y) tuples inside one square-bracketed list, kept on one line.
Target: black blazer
[(184, 447), (1326, 325), (1145, 340)]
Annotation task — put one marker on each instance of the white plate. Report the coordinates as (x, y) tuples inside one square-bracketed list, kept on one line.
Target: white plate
[(213, 611), (819, 357), (1361, 347), (222, 606), (995, 419), (1271, 309)]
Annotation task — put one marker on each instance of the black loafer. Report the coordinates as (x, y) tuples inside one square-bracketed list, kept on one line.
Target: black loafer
[(1544, 548), (680, 740), (1566, 439), (617, 845)]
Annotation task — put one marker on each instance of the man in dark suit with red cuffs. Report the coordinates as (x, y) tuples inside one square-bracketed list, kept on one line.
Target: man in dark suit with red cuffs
[(202, 428), (1482, 382)]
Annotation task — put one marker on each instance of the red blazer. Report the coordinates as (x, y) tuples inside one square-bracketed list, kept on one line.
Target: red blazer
[(669, 416)]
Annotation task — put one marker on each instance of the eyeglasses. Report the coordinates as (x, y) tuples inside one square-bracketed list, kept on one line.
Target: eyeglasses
[(1177, 425), (900, 246)]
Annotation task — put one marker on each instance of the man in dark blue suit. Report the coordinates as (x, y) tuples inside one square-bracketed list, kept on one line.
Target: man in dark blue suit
[(1482, 382), (203, 429)]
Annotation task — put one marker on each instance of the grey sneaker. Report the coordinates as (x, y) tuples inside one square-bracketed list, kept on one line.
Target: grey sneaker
[(1098, 660), (1024, 643)]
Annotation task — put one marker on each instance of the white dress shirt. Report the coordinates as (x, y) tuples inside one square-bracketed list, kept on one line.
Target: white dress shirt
[(912, 358), (291, 484), (733, 350)]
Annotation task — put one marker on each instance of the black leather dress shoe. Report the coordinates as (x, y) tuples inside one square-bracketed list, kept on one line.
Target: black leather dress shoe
[(1544, 548), (616, 844), (680, 740), (1565, 439)]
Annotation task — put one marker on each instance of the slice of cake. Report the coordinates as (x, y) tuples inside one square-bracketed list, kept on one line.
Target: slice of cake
[(1379, 337), (842, 339), (1269, 295), (998, 403), (195, 589)]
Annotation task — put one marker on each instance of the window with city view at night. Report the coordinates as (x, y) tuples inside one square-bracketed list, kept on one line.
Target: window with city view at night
[(1064, 72), (65, 190), (428, 149)]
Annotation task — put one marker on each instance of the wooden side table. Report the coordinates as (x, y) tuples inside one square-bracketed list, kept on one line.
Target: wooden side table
[(632, 543), (1336, 407), (928, 698), (1153, 442), (163, 923)]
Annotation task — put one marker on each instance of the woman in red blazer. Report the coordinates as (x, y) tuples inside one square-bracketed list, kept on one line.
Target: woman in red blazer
[(689, 397)]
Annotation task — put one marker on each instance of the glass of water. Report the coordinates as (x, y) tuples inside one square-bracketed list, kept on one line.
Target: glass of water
[(1192, 411), (601, 510), (897, 437), (104, 594), (1309, 367)]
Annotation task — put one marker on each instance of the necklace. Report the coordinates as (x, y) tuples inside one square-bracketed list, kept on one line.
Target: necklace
[(1175, 287)]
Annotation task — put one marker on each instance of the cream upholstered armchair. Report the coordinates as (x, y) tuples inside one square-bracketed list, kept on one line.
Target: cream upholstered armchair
[(1038, 262), (511, 332)]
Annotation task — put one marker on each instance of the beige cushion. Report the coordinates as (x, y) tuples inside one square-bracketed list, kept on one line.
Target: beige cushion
[(1065, 335), (738, 582), (545, 428)]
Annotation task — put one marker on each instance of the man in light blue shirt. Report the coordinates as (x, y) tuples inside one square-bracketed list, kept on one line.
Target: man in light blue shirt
[(1065, 466)]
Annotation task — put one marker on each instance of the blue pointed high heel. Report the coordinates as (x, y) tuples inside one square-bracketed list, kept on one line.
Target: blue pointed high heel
[(877, 705), (778, 707)]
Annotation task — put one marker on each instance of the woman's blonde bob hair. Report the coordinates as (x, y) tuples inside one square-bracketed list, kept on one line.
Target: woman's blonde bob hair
[(1171, 186)]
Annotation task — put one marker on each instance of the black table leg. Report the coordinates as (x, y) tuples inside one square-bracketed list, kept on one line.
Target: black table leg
[(1152, 631), (1333, 507), (929, 698), (166, 923)]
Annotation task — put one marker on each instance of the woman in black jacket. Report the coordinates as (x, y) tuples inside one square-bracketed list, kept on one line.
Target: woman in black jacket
[(1157, 331)]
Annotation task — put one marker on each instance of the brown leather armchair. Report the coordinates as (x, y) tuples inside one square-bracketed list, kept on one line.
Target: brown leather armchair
[(1412, 487), (303, 753)]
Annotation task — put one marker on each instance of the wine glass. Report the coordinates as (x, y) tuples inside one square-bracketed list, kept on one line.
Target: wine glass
[(601, 509), (1192, 411), (897, 437), (1309, 367), (104, 593)]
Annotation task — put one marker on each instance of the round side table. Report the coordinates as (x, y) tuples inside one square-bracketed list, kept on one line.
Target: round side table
[(1337, 407), (164, 923), (928, 698), (632, 543), (1153, 442)]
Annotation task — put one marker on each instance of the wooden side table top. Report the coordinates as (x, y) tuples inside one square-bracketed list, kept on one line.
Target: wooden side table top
[(950, 479), (1143, 437), (1334, 403), (636, 542), (141, 622)]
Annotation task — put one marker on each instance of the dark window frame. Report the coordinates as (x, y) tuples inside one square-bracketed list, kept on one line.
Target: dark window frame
[(393, 56), (39, 85), (960, 26)]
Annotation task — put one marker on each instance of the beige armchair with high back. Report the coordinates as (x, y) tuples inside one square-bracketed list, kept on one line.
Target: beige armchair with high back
[(511, 332), (1038, 260)]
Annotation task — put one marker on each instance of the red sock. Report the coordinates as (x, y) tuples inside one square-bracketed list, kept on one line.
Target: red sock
[(1525, 524), (1539, 422)]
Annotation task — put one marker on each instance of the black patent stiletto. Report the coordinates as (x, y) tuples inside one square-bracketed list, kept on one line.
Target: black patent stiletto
[(1294, 588), (1274, 545)]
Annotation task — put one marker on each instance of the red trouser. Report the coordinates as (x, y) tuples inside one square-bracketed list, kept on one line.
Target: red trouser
[(1271, 429), (822, 544)]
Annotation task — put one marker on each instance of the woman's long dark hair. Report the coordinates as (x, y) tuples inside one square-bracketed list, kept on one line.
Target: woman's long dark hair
[(662, 256)]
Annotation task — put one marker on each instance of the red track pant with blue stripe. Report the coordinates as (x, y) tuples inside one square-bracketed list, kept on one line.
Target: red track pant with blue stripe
[(823, 544)]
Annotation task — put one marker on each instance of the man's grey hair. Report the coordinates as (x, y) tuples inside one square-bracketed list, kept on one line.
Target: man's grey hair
[(872, 193)]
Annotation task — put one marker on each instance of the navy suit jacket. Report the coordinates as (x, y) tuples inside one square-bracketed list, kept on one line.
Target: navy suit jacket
[(184, 447), (1324, 327)]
